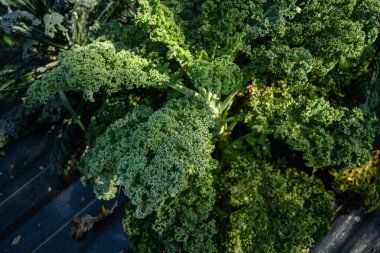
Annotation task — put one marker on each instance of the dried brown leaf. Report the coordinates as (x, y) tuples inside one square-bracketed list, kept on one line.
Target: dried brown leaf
[(80, 225)]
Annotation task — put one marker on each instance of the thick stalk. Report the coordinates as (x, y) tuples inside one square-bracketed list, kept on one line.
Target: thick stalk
[(184, 90)]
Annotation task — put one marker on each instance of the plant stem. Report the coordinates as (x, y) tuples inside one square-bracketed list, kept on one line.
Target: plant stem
[(68, 106), (184, 90)]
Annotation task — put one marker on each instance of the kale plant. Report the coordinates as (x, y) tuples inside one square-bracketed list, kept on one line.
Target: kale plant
[(190, 108), (33, 32)]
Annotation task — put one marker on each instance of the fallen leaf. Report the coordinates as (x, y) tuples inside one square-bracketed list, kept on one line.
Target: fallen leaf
[(16, 240), (80, 225), (104, 209)]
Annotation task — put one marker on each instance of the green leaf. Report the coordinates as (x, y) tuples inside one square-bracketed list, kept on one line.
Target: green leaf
[(251, 140), (238, 144)]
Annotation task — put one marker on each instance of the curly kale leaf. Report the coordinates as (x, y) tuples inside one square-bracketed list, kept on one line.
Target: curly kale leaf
[(101, 160), (219, 76), (124, 36), (159, 22), (163, 161), (268, 104), (296, 38), (272, 211), (173, 144), (187, 16), (330, 136), (97, 67), (294, 63), (180, 224), (363, 179), (327, 136), (112, 109)]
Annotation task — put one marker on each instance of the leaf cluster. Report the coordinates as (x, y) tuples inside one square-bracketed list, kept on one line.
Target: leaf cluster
[(293, 39), (179, 154), (362, 179), (162, 159), (274, 211), (54, 23), (326, 135), (98, 67)]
